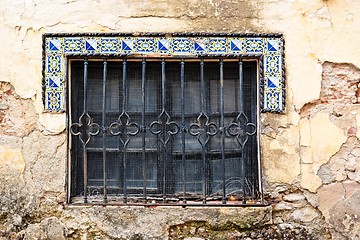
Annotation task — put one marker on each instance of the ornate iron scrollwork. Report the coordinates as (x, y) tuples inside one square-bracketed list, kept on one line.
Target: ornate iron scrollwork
[(203, 129), (165, 126), (85, 128), (240, 128)]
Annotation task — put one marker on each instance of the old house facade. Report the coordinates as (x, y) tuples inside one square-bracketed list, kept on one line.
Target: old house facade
[(232, 119)]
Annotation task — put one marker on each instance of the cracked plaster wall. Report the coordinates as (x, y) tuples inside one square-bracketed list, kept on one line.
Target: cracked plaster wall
[(310, 153)]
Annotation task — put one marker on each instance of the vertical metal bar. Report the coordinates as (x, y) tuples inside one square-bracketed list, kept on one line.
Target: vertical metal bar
[(222, 128), (241, 80), (84, 145), (182, 79), (124, 144), (241, 111), (143, 125), (163, 102), (104, 130), (202, 109)]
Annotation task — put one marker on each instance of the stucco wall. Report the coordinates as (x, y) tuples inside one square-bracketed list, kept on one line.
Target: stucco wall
[(310, 154)]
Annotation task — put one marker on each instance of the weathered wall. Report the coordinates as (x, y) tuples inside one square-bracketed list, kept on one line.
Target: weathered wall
[(310, 154)]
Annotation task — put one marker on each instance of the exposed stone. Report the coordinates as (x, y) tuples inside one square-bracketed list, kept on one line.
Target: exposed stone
[(306, 214), (294, 197), (282, 206)]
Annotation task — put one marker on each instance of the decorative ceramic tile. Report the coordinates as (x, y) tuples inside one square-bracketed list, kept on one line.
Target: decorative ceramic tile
[(273, 82), (91, 45), (236, 45), (163, 45), (273, 100), (54, 81), (54, 100), (200, 45), (272, 64), (54, 45), (127, 45), (54, 63), (217, 45), (254, 45), (273, 45), (73, 45), (58, 47), (145, 45), (181, 45), (109, 45)]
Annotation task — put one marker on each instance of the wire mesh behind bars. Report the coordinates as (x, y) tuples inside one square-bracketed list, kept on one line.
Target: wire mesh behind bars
[(164, 131)]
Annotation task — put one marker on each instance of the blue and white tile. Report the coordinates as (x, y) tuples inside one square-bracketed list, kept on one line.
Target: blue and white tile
[(127, 45), (91, 45), (54, 81), (54, 45), (272, 64), (273, 46), (181, 46), (273, 82), (74, 45), (109, 45), (254, 45), (236, 45), (273, 100), (54, 100), (200, 45), (163, 45), (145, 45), (217, 45), (54, 63)]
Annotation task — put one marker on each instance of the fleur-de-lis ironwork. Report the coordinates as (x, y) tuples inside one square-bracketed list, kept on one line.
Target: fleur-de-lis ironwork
[(166, 128), (85, 128), (124, 127), (203, 129), (241, 128)]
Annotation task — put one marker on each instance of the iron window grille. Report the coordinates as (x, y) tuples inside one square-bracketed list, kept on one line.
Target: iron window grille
[(164, 131)]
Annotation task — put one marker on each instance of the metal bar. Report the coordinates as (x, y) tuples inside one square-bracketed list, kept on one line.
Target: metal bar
[(124, 145), (84, 145), (104, 130), (241, 83), (222, 128), (202, 109), (143, 125), (241, 111), (163, 102), (182, 79)]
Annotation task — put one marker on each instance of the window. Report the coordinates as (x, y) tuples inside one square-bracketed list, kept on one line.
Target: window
[(164, 130), (163, 118)]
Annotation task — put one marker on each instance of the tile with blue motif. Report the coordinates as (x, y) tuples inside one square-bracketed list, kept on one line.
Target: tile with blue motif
[(73, 44), (273, 100), (273, 46), (217, 45), (91, 45), (236, 45), (272, 64), (200, 45), (145, 45), (127, 44), (54, 45), (54, 100), (54, 63), (54, 81), (254, 45), (273, 82), (181, 45), (163, 45), (109, 44)]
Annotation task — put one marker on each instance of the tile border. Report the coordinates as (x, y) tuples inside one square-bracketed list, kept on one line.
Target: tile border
[(268, 48)]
